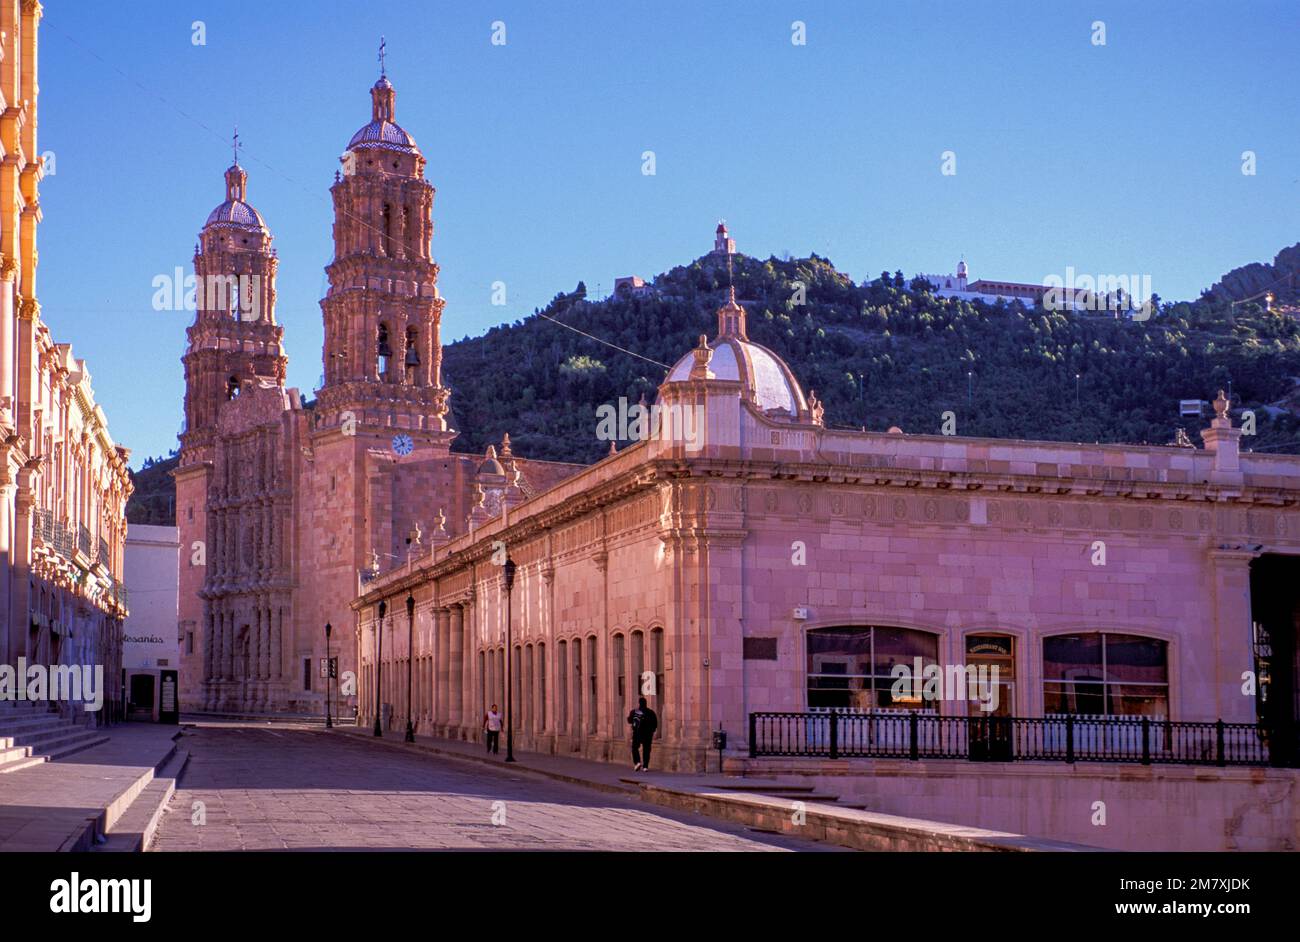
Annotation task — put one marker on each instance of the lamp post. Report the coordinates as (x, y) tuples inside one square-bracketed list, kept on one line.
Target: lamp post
[(379, 666), (410, 650), (329, 723), (1077, 377), (509, 568)]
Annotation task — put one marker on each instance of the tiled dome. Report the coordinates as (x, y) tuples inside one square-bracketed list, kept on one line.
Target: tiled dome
[(236, 213), (383, 134)]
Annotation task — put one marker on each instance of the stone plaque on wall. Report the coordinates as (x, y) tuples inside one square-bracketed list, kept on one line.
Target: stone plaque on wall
[(760, 649)]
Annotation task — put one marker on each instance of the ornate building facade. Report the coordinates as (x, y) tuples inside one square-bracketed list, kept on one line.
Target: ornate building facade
[(63, 481), (285, 504), (757, 561)]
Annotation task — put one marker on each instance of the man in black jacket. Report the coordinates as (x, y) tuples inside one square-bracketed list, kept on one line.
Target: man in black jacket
[(644, 722)]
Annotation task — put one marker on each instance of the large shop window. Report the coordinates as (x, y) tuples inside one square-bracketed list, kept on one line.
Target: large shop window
[(849, 668), (1104, 674)]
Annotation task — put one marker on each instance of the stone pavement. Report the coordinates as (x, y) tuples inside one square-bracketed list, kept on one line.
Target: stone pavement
[(65, 804), (273, 787), (606, 776)]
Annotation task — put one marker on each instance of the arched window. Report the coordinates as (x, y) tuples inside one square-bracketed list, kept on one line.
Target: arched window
[(990, 650), (592, 699), (577, 686), (1105, 674), (500, 691), (482, 684), (620, 673), (527, 707), (387, 219), (638, 663), (562, 686), (232, 387), (541, 687), (659, 700), (850, 668), (517, 686)]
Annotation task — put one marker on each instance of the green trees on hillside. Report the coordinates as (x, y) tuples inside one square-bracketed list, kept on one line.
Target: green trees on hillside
[(880, 353)]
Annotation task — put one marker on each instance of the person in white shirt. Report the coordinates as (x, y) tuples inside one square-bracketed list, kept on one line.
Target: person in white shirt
[(492, 724)]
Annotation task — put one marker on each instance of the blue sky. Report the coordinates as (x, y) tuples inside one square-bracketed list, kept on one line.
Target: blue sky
[(1123, 158)]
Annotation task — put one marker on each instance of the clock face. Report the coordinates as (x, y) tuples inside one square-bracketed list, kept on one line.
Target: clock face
[(402, 444)]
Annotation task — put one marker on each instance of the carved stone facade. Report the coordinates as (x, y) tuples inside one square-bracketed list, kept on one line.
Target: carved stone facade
[(63, 481), (710, 572), (284, 505)]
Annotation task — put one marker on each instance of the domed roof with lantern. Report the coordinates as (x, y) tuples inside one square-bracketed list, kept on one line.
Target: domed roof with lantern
[(383, 132), (766, 381), (236, 212)]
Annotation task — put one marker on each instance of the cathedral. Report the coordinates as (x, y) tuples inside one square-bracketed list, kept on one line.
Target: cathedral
[(285, 504)]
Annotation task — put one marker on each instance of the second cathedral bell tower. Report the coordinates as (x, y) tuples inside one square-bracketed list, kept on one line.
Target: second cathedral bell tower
[(383, 355)]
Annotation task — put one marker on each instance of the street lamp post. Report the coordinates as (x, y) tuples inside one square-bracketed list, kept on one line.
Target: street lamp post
[(329, 723), (510, 659), (410, 650), (379, 666)]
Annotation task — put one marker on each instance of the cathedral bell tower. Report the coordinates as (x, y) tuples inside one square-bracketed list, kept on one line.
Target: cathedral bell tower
[(234, 339), (383, 355)]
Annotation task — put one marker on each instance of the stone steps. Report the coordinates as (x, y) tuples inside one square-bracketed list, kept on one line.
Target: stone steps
[(134, 829), (29, 736)]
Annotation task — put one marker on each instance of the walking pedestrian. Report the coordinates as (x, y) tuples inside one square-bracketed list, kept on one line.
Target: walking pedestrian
[(644, 722), (492, 725)]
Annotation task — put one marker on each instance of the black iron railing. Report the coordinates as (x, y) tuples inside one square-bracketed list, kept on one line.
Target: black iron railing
[(908, 734)]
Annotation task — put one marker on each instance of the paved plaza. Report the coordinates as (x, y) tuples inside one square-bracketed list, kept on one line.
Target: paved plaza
[(292, 788)]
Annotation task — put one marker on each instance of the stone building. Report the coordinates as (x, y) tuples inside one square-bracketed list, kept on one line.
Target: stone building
[(63, 481), (285, 504), (744, 558)]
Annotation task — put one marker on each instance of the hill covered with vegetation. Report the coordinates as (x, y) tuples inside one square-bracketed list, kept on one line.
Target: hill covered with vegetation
[(878, 353)]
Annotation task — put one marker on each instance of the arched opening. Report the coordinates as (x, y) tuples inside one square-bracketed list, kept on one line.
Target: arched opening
[(541, 687), (577, 688), (412, 358), (990, 651), (619, 666), (562, 687), (232, 387), (660, 699), (527, 706), (384, 352), (593, 700), (387, 228), (517, 687)]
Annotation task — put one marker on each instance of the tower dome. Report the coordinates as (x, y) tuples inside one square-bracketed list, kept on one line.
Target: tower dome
[(236, 212), (766, 382), (383, 132)]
